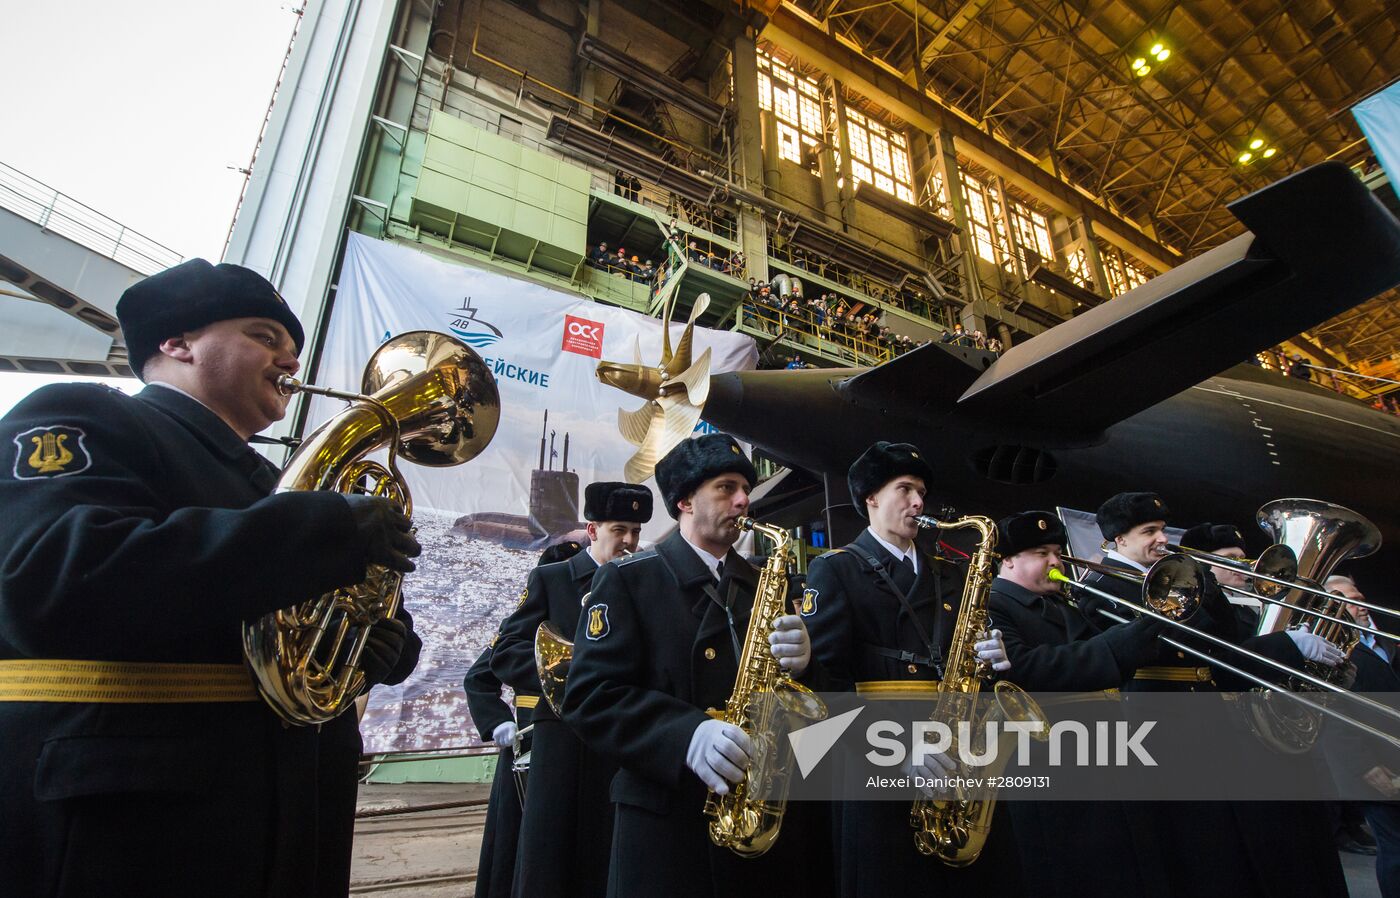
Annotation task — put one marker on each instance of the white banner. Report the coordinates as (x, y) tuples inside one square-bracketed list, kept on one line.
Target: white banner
[(480, 532)]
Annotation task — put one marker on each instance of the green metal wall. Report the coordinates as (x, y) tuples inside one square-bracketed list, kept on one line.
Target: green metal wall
[(486, 191)]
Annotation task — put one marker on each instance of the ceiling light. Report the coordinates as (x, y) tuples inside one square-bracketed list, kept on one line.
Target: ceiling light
[(1256, 143), (1144, 70), (1245, 156), (1156, 48), (1139, 63), (1162, 54), (1268, 154)]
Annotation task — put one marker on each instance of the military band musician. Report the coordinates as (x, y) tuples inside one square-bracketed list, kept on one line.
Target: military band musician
[(565, 835), (138, 535)]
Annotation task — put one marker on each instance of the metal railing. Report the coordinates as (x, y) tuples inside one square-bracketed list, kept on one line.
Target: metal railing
[(65, 216), (799, 330), (666, 204)]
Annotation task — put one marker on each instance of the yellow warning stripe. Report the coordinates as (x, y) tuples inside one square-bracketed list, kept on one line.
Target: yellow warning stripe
[(1174, 674), (898, 687), (1072, 698), (123, 682)]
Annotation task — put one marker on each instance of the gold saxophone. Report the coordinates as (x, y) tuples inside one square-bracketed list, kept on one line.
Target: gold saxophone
[(425, 396), (955, 829), (747, 819)]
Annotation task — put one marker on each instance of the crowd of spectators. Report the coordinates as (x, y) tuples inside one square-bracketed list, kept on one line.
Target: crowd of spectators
[(826, 317), (1295, 366), (974, 339), (677, 245), (618, 262), (733, 264)]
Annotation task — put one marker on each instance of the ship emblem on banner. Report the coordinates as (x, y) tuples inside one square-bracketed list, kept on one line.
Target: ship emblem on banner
[(475, 332)]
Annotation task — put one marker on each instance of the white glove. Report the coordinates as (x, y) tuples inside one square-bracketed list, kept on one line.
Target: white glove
[(1314, 647), (790, 644), (992, 652), (934, 766), (719, 754), (504, 734)]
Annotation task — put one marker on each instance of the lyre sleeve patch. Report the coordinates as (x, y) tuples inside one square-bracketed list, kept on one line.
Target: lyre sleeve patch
[(598, 625), (524, 594), (809, 602), (56, 450)]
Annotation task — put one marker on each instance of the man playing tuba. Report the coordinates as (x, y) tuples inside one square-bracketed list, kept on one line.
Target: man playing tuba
[(138, 535)]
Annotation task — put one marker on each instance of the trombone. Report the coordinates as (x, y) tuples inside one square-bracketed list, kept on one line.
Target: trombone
[(1163, 580), (1195, 556), (1278, 567)]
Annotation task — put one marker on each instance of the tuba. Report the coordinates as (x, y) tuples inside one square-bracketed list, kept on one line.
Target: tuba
[(424, 396), (1322, 536), (553, 655), (955, 830), (747, 819)]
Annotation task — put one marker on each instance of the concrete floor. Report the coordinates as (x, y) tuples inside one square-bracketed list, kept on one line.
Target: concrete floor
[(433, 853)]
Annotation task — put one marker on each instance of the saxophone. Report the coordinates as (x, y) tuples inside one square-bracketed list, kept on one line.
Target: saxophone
[(764, 695), (956, 829)]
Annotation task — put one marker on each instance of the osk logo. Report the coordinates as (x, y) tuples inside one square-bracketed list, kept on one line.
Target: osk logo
[(583, 336)]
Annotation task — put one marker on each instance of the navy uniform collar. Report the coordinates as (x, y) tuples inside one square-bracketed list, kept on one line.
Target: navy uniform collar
[(582, 566), (199, 418), (692, 573), (1016, 591), (867, 541), (682, 560)]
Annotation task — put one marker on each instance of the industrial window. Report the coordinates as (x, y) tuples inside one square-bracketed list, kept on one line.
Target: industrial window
[(939, 197), (1123, 271), (1078, 265), (1031, 232), (985, 221), (879, 155), (1136, 275), (796, 103)]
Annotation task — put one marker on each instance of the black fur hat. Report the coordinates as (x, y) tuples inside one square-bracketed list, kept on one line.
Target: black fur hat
[(694, 461), (615, 501), (1026, 530), (191, 295), (1125, 511), (559, 552), (1213, 538), (880, 464)]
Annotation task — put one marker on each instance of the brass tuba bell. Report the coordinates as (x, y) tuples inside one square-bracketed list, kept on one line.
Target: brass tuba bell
[(553, 654), (426, 397)]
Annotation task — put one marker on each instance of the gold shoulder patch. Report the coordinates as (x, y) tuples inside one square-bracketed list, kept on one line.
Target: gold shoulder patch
[(56, 450), (598, 625)]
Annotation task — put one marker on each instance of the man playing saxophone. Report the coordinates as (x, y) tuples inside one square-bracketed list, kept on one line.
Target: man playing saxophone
[(882, 616), (657, 645), (138, 535)]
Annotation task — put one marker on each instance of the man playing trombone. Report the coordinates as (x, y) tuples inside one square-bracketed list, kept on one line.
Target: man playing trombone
[(1054, 646), (1375, 659), (1231, 849)]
